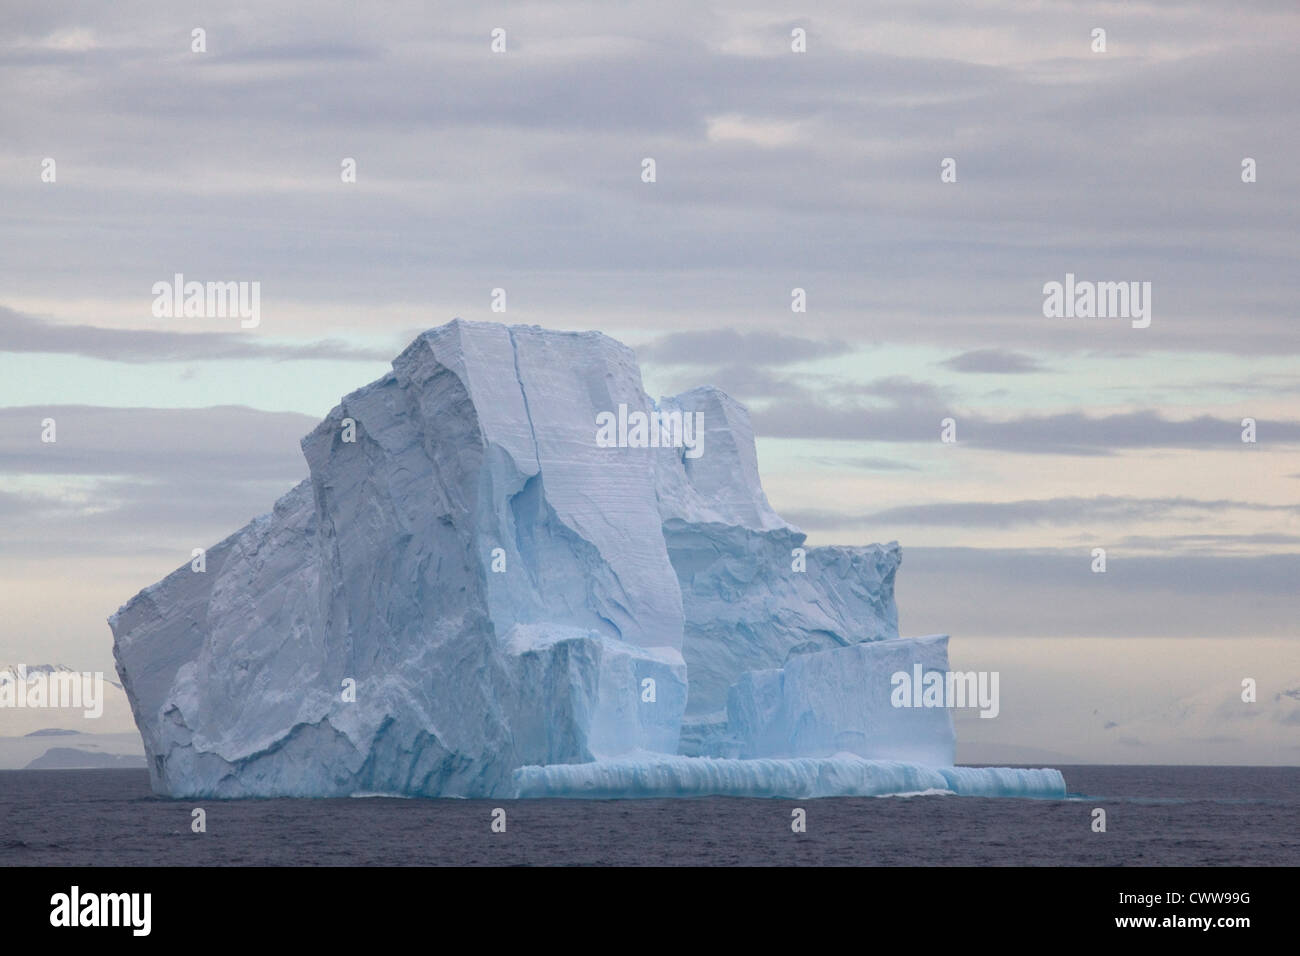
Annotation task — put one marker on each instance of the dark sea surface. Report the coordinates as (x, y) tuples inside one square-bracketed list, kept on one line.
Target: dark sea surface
[(1156, 816)]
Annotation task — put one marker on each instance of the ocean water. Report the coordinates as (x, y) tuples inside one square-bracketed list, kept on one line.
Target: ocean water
[(1187, 816)]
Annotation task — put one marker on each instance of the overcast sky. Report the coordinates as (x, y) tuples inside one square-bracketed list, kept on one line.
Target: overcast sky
[(774, 170)]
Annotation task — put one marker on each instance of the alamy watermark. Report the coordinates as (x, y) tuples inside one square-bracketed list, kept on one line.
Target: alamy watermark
[(923, 688), (75, 908), (1083, 299), (48, 688), (653, 429), (208, 300)]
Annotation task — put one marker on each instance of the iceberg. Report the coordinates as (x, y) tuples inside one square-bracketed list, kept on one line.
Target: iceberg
[(482, 591)]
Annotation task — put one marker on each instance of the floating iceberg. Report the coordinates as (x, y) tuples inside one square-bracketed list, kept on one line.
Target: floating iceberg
[(513, 573)]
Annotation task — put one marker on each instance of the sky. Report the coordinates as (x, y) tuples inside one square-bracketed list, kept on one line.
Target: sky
[(775, 170)]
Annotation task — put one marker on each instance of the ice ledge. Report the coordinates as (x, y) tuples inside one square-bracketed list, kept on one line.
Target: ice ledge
[(843, 775)]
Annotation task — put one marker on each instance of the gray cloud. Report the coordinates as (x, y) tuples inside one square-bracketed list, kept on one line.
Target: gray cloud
[(25, 333), (994, 361), (144, 518), (868, 464), (1048, 511), (179, 444), (732, 224), (896, 388), (1078, 433), (1210, 542), (142, 481), (916, 417), (729, 347), (744, 382), (1053, 592), (901, 409)]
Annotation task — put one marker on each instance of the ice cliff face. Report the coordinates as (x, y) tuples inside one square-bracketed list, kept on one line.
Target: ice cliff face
[(471, 595)]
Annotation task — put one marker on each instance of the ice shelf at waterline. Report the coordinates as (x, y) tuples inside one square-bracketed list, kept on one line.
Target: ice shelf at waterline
[(478, 593), (840, 775)]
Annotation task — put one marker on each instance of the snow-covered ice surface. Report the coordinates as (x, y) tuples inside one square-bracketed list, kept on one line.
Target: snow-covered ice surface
[(525, 611)]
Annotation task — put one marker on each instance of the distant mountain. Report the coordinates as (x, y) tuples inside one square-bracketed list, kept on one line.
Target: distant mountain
[(71, 758), (18, 753)]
